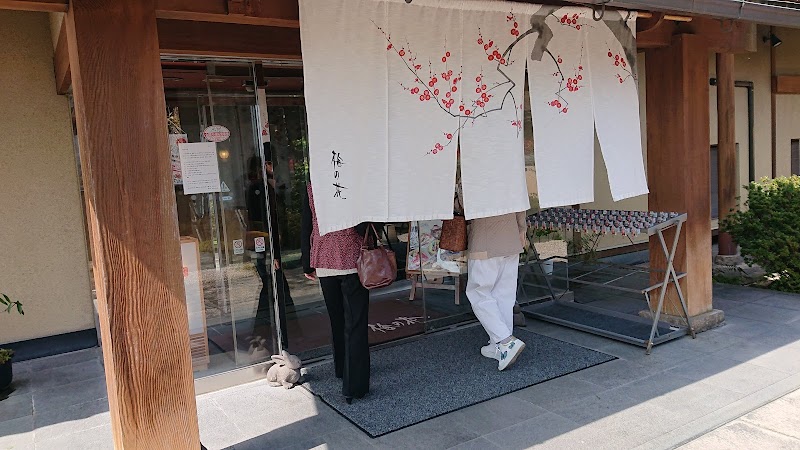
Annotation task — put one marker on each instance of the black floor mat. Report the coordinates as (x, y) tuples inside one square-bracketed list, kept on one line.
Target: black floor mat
[(442, 373)]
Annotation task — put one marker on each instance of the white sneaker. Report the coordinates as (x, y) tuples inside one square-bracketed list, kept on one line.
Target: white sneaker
[(490, 351), (508, 353)]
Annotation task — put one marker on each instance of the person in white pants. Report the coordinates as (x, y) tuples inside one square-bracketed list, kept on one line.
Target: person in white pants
[(494, 247)]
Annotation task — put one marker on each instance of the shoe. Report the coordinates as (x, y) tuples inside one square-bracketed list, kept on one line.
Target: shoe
[(490, 351), (349, 398), (509, 352)]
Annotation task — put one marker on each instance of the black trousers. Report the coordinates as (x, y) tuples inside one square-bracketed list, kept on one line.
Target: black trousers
[(348, 308)]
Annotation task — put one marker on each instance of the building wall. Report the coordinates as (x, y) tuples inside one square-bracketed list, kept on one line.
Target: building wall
[(787, 107), (43, 251)]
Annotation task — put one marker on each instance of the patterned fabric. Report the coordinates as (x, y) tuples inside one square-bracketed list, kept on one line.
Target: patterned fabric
[(600, 221), (338, 250)]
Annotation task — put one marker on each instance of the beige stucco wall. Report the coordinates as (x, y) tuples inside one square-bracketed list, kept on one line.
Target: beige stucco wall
[(43, 258), (787, 107)]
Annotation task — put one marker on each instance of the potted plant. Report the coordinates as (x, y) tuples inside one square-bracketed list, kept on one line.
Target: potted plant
[(6, 373)]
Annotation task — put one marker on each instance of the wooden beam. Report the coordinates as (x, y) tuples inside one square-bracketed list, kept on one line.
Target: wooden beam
[(183, 37), (130, 208), (275, 13), (721, 36), (655, 35), (180, 37), (61, 62), (786, 84), (727, 166), (35, 5), (678, 149)]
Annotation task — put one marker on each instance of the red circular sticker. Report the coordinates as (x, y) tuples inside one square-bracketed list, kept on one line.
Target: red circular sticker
[(216, 133)]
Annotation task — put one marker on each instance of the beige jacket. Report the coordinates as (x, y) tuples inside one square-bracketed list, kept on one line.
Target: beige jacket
[(497, 236)]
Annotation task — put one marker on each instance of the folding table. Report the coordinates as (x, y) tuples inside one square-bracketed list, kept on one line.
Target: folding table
[(620, 277)]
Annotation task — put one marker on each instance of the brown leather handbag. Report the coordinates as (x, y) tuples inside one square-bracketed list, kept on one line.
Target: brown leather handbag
[(377, 266), (454, 232)]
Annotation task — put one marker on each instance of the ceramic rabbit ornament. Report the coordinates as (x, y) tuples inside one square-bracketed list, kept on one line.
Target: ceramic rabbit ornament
[(286, 370)]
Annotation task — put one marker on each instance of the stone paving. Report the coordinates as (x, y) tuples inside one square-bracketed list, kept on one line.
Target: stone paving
[(732, 387)]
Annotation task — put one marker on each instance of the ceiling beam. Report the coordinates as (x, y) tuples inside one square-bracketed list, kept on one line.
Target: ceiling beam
[(786, 84), (721, 36), (192, 38), (274, 13), (35, 5), (184, 37)]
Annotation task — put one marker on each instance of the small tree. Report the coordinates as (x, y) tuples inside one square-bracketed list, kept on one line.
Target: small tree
[(769, 230), (5, 302)]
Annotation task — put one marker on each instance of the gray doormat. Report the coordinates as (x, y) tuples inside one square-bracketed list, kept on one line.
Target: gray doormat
[(441, 373)]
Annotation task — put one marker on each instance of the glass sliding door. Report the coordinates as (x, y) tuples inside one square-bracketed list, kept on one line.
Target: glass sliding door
[(225, 230)]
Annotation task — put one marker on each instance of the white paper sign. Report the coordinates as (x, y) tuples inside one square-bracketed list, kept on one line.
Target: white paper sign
[(260, 244), (238, 247), (199, 167)]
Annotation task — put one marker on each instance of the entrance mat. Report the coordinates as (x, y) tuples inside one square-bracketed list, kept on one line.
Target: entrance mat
[(441, 373)]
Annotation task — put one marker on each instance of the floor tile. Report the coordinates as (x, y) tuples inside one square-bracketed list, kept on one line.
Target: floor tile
[(781, 416), (16, 407), (742, 435), (765, 313), (52, 423), (217, 430), (726, 305), (785, 359), (742, 328), (477, 444), (558, 392), (64, 359), (624, 429), (662, 357), (695, 400), (440, 432), (614, 373), (345, 439), (781, 301), (741, 294), (708, 342), (70, 394), (596, 407), (533, 432), (100, 438), (260, 409), (495, 414), (17, 434), (60, 376), (728, 374)]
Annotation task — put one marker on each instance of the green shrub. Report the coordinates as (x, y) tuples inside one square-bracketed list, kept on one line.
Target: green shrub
[(5, 355), (769, 230)]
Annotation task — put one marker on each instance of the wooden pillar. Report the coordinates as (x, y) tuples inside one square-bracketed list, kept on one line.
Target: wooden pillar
[(678, 160), (130, 208), (728, 167)]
